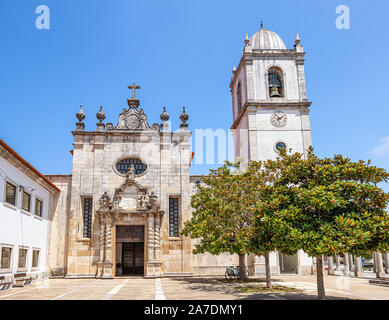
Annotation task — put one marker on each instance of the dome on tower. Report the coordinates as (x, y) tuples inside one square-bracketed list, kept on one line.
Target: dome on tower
[(266, 39)]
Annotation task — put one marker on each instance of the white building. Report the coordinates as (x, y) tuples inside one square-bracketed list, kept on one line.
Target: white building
[(26, 210)]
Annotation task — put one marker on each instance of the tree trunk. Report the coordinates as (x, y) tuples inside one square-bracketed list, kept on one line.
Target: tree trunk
[(242, 268), (321, 295), (268, 271)]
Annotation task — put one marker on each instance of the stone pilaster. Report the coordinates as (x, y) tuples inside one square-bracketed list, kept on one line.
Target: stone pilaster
[(301, 79)]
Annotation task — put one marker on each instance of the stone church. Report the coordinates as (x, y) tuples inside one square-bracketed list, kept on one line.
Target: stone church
[(122, 209)]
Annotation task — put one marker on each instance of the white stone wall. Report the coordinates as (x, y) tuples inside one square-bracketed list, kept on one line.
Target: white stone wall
[(58, 246), (23, 229)]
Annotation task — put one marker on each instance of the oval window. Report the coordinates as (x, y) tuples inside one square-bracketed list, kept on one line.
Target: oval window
[(124, 165), (280, 146)]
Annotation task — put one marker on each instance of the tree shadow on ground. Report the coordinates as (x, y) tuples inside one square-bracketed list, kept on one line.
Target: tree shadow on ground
[(217, 285)]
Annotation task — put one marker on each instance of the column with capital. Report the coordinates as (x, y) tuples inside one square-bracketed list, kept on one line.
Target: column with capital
[(358, 267), (338, 267), (350, 262), (346, 270), (100, 265), (387, 262), (157, 243), (150, 245), (108, 264), (330, 265), (379, 266)]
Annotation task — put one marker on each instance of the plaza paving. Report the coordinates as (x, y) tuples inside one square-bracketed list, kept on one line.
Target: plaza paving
[(212, 288)]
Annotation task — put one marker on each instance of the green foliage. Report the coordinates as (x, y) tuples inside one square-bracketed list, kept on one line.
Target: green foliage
[(222, 219), (325, 206)]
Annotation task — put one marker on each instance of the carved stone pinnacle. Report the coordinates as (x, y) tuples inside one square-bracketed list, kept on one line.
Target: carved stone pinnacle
[(164, 116)]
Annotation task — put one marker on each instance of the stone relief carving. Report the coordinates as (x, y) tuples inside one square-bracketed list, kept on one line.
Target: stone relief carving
[(105, 202), (131, 196), (132, 120)]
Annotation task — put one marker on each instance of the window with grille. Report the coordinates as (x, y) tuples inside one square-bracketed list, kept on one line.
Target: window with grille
[(6, 254), (124, 165), (35, 259), (22, 262), (38, 207), (173, 217), (239, 97), (87, 215), (10, 193), (26, 202)]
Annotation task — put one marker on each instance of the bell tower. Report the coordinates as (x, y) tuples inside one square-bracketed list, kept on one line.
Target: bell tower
[(270, 105)]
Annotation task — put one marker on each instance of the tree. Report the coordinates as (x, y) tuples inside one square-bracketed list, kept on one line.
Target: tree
[(222, 219), (260, 183), (328, 206)]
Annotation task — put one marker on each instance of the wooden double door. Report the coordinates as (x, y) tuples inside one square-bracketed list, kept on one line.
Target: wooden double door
[(133, 258)]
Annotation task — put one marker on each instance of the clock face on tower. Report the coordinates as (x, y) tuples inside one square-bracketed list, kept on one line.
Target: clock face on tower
[(278, 119)]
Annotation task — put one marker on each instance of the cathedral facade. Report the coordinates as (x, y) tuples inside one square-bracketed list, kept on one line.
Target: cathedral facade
[(122, 209)]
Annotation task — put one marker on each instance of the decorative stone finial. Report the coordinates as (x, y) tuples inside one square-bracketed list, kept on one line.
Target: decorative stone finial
[(247, 40), (261, 24), (100, 115), (164, 116), (297, 40), (184, 116), (234, 70), (80, 114), (80, 126)]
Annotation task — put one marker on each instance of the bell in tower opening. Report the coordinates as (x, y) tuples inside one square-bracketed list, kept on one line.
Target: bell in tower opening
[(275, 84)]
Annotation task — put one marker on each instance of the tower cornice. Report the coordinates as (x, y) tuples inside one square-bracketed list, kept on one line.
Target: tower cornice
[(251, 106)]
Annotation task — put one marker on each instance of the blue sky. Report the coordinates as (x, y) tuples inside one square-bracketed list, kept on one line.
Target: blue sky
[(182, 53)]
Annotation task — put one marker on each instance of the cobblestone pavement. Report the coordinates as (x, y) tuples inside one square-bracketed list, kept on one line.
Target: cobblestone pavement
[(210, 288)]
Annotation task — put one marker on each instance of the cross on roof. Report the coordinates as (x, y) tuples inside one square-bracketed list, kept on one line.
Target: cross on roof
[(133, 87)]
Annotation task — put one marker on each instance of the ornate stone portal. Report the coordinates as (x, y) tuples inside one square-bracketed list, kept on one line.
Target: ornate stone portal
[(131, 205)]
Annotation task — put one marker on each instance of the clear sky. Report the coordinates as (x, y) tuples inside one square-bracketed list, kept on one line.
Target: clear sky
[(182, 53)]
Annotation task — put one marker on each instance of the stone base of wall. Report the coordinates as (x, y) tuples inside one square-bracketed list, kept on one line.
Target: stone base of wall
[(173, 275), (80, 276), (58, 273)]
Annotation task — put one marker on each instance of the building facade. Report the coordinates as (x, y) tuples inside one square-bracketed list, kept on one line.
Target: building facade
[(121, 210), (27, 202)]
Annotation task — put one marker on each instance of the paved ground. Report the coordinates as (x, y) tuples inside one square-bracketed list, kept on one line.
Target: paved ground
[(135, 288)]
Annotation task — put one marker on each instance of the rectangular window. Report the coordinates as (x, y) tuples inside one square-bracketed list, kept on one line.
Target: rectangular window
[(38, 207), (87, 216), (35, 259), (26, 201), (22, 258), (173, 217), (6, 257), (10, 193)]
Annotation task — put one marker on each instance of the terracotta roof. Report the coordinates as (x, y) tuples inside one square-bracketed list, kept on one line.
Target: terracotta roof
[(27, 164)]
